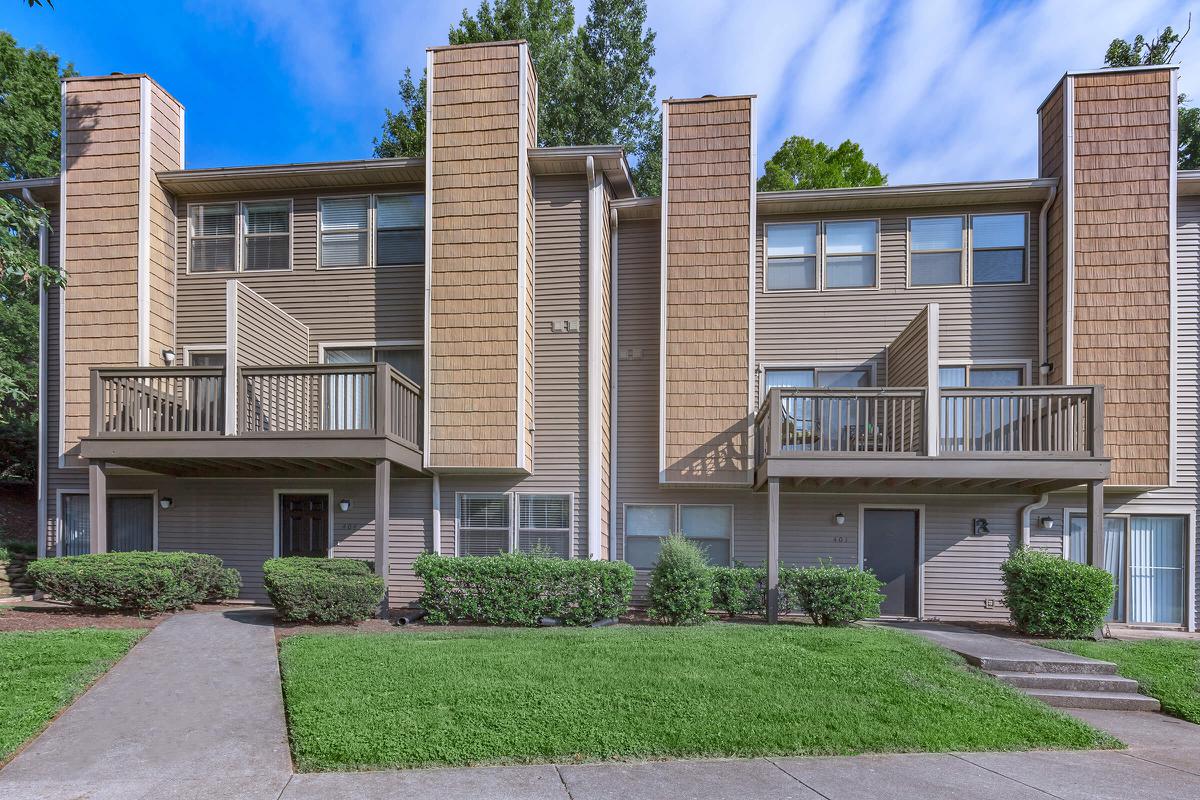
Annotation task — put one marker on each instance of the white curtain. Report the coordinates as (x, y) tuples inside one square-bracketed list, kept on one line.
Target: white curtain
[(1114, 555), (1156, 569)]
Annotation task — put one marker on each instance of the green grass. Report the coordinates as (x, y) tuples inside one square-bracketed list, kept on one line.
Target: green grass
[(523, 696), (1166, 669), (40, 673)]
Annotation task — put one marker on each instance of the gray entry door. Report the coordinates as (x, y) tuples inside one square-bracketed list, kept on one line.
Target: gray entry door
[(890, 551)]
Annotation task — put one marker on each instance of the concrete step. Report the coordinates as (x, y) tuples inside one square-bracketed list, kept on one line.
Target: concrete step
[(1113, 701), (1066, 680), (1064, 666)]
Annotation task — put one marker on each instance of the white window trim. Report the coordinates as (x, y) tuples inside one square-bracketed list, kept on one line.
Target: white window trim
[(375, 229), (512, 519), (970, 245), (363, 344), (766, 258), (372, 230), (862, 527), (676, 510), (763, 366), (276, 522), (963, 252), (238, 236), (821, 246), (58, 512), (205, 349), (1025, 365), (1189, 560), (516, 533)]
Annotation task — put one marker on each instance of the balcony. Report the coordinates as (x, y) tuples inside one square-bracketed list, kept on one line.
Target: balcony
[(1028, 439), (187, 420)]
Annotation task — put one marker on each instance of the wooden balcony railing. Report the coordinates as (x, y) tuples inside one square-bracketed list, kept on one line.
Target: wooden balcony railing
[(299, 400), (1050, 421)]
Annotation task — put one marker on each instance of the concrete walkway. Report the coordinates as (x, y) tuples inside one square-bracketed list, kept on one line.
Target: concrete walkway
[(194, 710)]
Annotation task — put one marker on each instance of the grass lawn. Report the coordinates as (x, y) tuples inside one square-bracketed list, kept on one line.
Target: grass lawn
[(519, 696), (40, 673), (1166, 669)]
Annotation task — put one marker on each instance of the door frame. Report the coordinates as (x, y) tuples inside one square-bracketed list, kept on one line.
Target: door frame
[(58, 511), (328, 507), (920, 509)]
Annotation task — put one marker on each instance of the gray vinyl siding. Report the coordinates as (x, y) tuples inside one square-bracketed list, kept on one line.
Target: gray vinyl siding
[(855, 326), (907, 356), (560, 363), (351, 304), (267, 335)]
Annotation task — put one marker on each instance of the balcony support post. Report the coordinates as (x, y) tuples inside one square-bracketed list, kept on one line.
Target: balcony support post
[(773, 550), (98, 506), (383, 518), (1095, 523)]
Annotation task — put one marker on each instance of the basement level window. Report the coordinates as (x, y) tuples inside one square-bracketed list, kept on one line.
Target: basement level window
[(709, 526)]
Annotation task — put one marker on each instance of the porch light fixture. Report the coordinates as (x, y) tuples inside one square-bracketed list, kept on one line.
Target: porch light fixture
[(839, 518), (165, 502), (169, 357), (1045, 367), (1046, 523), (344, 505)]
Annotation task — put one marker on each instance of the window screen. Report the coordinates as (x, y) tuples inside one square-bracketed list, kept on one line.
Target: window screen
[(935, 251), (791, 257), (400, 229), (850, 254), (545, 525), (268, 239), (484, 525), (212, 237), (998, 248), (344, 225)]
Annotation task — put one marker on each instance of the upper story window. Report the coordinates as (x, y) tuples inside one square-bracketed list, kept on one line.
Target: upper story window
[(984, 377), (851, 248), (406, 359), (819, 378), (791, 256), (251, 236), (935, 246), (384, 230), (998, 248)]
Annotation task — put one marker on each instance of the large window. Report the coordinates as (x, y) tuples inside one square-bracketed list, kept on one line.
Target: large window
[(250, 237), (75, 529), (1147, 557), (400, 229), (850, 254), (981, 376), (130, 524), (998, 248), (406, 359), (484, 524), (710, 526), (791, 256), (818, 378), (382, 230), (935, 246), (545, 524)]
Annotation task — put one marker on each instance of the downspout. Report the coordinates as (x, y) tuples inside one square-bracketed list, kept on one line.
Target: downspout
[(613, 361), (1027, 512), (1043, 282), (43, 323)]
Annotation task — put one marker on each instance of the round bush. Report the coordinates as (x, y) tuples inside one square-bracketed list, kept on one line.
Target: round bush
[(739, 591), (140, 581), (522, 588), (323, 589), (681, 583), (1051, 596), (833, 595)]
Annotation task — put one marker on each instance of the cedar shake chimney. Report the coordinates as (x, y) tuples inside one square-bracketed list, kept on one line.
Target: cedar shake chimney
[(707, 291), (117, 231), (481, 122), (1109, 136)]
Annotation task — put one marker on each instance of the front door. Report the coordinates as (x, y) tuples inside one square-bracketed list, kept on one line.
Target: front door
[(304, 525), (890, 551)]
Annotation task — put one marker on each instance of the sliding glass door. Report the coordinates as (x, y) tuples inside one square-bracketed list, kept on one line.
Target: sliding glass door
[(1147, 557)]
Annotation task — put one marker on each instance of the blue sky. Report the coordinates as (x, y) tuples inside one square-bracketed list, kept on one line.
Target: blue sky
[(934, 90)]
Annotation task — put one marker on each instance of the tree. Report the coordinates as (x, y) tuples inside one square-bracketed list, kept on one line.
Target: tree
[(801, 163), (1161, 50), (29, 148), (595, 83)]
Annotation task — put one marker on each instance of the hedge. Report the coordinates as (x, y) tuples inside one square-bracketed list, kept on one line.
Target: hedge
[(140, 581), (1051, 596), (740, 590), (323, 589), (681, 583), (833, 595), (522, 589)]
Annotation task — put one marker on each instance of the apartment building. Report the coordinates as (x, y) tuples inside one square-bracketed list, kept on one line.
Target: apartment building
[(502, 347)]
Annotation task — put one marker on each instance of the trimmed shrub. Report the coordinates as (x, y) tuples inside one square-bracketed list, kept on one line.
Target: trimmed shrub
[(228, 586), (323, 589), (681, 583), (132, 581), (740, 590), (522, 588), (833, 595), (1051, 596)]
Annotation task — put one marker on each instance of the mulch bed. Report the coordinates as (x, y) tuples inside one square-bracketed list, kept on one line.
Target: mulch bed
[(46, 615)]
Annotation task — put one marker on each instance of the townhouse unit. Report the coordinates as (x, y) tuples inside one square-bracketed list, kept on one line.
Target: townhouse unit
[(501, 347)]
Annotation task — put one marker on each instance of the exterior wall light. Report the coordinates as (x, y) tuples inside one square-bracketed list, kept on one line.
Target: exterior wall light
[(344, 505), (165, 503), (1046, 523), (839, 518), (1045, 367), (169, 357)]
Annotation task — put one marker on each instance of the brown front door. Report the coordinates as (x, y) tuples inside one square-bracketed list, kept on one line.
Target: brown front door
[(304, 525)]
